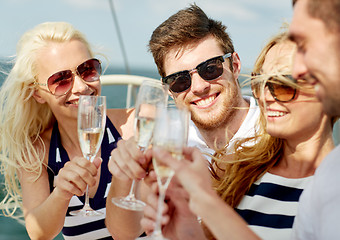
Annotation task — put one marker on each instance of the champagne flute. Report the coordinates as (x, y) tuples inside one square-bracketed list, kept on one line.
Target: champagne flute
[(171, 134), (151, 95), (91, 125)]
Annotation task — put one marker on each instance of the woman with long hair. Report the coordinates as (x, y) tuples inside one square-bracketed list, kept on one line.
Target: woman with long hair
[(41, 159)]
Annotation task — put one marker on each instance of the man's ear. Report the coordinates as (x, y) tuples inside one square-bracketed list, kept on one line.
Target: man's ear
[(38, 98), (236, 65)]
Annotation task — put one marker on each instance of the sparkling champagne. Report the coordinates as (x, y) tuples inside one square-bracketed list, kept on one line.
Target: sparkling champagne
[(165, 173), (89, 140), (144, 130)]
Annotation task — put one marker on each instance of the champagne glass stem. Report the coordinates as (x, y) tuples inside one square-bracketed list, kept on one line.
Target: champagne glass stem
[(131, 194), (161, 197), (87, 197)]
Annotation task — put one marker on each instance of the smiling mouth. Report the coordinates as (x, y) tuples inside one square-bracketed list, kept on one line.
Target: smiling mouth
[(76, 102), (205, 101), (275, 114)]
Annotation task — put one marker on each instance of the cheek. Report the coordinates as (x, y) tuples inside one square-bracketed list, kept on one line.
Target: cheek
[(96, 86), (308, 112), (179, 98)]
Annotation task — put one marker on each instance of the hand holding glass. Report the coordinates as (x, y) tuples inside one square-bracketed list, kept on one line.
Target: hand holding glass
[(91, 125), (151, 95), (171, 134)]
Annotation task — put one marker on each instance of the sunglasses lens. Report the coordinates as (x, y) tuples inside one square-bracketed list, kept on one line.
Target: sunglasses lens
[(178, 82), (90, 70), (210, 69), (60, 82), (281, 91)]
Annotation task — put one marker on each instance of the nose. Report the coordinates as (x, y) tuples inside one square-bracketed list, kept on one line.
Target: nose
[(299, 67), (198, 85), (79, 85)]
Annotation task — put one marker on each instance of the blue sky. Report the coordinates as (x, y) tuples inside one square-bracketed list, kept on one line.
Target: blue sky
[(250, 23)]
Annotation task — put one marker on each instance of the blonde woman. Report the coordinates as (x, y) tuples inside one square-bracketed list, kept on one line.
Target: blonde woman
[(40, 154), (263, 182)]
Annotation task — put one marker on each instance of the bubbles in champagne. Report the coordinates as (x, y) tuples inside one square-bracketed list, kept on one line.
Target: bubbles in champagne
[(90, 140), (144, 131)]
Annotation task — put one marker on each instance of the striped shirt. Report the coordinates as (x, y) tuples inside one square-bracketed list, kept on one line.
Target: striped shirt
[(79, 227), (270, 206)]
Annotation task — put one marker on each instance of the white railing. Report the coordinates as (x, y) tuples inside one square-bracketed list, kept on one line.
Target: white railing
[(132, 82)]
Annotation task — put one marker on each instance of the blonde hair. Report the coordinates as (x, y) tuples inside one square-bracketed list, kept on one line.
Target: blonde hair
[(22, 119), (249, 161)]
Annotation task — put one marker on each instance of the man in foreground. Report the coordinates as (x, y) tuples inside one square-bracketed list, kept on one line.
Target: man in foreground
[(316, 30), (196, 58)]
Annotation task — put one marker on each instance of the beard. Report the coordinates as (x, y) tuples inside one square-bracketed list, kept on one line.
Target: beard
[(219, 117)]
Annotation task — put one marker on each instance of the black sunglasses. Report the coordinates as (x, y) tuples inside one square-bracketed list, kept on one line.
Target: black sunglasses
[(278, 89), (61, 82), (209, 70)]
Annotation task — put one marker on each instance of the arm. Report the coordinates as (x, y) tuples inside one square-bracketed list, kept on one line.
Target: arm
[(127, 162), (123, 120), (39, 204), (194, 176)]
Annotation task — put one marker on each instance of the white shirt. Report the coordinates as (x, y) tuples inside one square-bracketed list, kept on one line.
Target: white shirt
[(247, 129), (318, 214)]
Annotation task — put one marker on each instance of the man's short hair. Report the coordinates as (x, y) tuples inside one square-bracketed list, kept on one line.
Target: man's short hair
[(187, 26), (326, 10)]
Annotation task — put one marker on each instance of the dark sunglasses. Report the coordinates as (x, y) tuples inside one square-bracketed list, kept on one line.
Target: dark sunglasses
[(61, 82), (209, 70), (279, 90)]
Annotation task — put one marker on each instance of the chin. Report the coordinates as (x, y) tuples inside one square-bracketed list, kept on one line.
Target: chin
[(208, 123)]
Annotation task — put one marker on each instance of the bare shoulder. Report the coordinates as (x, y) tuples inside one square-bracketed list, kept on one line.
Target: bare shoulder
[(42, 144), (123, 120), (35, 183)]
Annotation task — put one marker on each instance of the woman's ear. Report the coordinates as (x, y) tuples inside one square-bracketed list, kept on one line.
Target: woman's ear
[(38, 97)]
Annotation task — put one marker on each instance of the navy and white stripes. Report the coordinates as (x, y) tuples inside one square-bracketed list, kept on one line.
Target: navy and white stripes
[(270, 206), (78, 227)]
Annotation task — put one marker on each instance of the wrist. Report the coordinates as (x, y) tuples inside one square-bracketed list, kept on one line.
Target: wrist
[(61, 195), (202, 203)]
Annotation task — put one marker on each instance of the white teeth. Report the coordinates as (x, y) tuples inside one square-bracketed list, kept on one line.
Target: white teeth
[(205, 101), (275, 114)]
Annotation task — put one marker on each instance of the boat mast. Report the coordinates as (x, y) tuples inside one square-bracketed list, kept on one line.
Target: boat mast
[(121, 43)]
